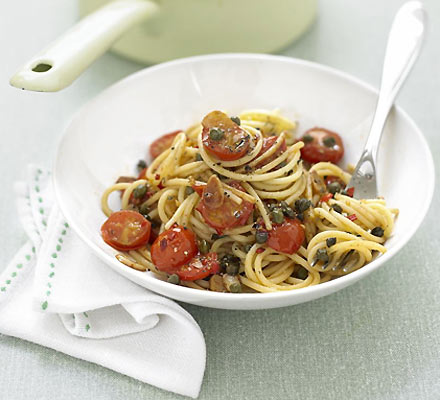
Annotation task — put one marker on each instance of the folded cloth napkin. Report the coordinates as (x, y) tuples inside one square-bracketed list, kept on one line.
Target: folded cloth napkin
[(56, 293)]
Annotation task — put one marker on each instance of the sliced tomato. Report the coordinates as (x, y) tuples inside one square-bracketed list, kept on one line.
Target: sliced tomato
[(233, 142), (322, 145), (163, 143), (268, 142), (173, 248), (326, 197), (286, 237), (199, 267), (224, 213), (126, 230)]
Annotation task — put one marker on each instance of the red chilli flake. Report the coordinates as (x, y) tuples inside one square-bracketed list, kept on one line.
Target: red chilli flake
[(160, 185), (350, 191), (352, 217), (259, 250), (326, 197), (157, 177)]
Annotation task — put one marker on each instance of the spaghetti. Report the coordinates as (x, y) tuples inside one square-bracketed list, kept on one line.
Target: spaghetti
[(231, 204)]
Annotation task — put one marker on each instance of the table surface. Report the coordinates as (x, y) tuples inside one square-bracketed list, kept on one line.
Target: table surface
[(378, 339)]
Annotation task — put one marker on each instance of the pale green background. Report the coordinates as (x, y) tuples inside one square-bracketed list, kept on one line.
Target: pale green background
[(378, 339)]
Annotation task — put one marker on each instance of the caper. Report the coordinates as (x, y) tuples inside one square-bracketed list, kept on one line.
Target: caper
[(216, 134), (277, 216), (230, 264), (189, 190), (139, 192), (199, 157), (302, 205), (174, 278), (247, 248), (300, 216), (235, 288), (302, 273), (330, 241), (334, 187), (232, 269), (287, 211), (377, 231), (261, 237), (144, 209), (236, 120), (322, 255), (329, 141), (307, 138), (141, 165), (203, 246), (337, 208)]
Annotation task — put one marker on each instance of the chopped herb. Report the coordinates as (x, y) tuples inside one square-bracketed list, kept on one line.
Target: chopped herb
[(330, 241), (261, 237), (248, 168), (282, 164), (302, 273), (377, 231), (236, 120), (140, 191), (329, 141), (141, 165), (216, 134), (174, 278), (189, 190), (307, 138), (302, 205), (199, 157), (169, 198), (216, 236), (247, 248)]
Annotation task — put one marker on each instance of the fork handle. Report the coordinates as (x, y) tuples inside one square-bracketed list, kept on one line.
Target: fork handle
[(404, 43)]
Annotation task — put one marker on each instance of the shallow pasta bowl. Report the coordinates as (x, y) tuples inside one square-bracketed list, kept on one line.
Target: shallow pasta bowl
[(112, 132)]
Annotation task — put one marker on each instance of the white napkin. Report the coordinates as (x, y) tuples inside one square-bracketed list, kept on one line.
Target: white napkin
[(56, 293)]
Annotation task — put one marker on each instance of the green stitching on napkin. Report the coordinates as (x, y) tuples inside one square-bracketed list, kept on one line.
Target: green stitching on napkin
[(87, 327), (44, 305)]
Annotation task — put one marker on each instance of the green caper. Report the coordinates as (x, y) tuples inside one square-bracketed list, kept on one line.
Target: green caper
[(199, 157), (329, 141), (174, 278), (232, 269), (139, 192), (307, 138), (330, 241), (236, 120), (337, 208), (230, 264), (144, 209), (235, 288), (300, 216), (302, 273), (334, 187), (189, 190), (277, 216), (203, 246), (216, 134), (322, 255), (302, 205), (287, 211), (377, 231), (141, 165), (261, 237), (247, 248)]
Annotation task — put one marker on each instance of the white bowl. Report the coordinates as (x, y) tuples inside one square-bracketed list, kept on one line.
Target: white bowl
[(111, 133)]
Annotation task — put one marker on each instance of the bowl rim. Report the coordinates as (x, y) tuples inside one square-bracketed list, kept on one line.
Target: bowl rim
[(198, 296)]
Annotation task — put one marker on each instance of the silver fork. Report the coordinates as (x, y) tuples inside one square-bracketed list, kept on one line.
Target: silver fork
[(403, 47)]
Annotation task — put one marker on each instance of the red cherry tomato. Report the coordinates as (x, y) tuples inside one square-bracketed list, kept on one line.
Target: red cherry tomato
[(322, 145), (286, 237), (268, 142), (231, 143), (126, 230), (199, 267), (173, 248), (223, 213), (163, 143)]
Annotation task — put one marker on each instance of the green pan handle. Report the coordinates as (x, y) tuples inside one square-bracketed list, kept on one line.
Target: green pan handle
[(64, 60)]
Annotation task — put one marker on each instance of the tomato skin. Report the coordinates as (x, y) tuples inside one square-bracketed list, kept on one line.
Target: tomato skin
[(163, 251), (190, 272), (326, 197), (286, 237), (126, 230), (229, 214), (163, 143), (268, 142), (316, 151), (234, 143)]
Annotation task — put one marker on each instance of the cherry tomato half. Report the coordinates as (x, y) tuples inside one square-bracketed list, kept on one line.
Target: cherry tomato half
[(322, 145), (223, 138), (199, 267), (286, 237), (163, 143), (126, 230), (173, 248), (268, 142), (224, 213)]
